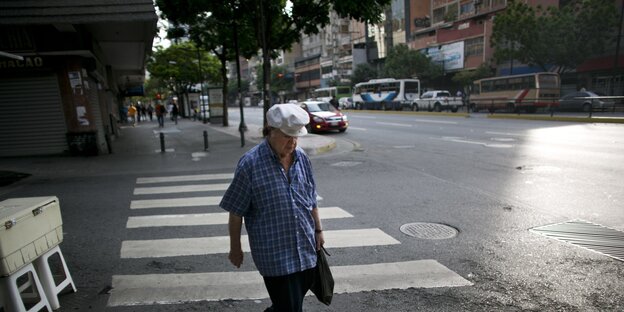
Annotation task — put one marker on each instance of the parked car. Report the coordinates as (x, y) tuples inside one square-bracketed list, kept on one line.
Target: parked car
[(324, 117), (437, 100), (581, 101), (345, 102)]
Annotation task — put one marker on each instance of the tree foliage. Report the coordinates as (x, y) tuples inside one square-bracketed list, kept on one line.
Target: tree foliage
[(403, 63), (274, 24), (563, 37), (363, 72), (177, 68)]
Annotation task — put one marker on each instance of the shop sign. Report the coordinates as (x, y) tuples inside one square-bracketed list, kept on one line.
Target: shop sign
[(28, 62)]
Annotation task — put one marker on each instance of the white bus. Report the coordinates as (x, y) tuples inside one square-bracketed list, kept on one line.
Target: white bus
[(384, 94), (326, 94)]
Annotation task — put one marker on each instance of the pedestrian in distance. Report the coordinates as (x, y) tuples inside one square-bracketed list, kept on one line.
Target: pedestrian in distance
[(150, 112), (174, 113), (274, 191), (160, 114), (333, 102), (132, 113)]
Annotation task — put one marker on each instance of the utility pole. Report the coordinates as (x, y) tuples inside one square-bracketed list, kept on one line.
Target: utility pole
[(617, 51)]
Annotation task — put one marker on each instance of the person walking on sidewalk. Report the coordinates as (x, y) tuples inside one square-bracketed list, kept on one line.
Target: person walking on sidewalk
[(174, 113), (132, 113), (274, 190), (150, 112), (160, 114)]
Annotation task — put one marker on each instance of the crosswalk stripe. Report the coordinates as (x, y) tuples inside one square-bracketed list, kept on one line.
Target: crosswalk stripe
[(175, 202), (221, 244), (188, 287), (186, 178), (211, 218), (181, 188)]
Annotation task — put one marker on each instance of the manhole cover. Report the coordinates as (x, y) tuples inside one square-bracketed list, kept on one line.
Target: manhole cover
[(426, 230)]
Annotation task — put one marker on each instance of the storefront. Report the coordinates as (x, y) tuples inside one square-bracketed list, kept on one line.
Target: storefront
[(63, 76)]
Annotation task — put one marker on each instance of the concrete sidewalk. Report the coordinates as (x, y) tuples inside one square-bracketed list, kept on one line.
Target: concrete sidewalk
[(138, 150)]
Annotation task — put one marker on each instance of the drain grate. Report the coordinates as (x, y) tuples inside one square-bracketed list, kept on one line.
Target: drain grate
[(594, 237), (426, 230)]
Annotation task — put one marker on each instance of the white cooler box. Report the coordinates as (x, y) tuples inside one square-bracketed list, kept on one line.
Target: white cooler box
[(29, 227)]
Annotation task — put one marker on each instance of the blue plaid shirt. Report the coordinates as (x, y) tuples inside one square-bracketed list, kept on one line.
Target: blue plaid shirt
[(277, 213)]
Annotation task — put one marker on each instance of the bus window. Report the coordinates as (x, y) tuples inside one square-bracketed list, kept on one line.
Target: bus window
[(476, 88), (548, 81), (411, 87), (487, 86)]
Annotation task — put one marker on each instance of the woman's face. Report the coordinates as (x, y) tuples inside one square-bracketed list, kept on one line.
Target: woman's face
[(282, 144)]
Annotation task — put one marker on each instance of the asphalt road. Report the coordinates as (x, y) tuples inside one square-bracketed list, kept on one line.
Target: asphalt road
[(491, 180)]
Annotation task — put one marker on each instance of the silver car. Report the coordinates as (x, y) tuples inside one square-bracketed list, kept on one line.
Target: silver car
[(584, 101)]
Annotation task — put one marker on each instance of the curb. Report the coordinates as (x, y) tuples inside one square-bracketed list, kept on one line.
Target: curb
[(448, 114), (313, 148), (560, 118)]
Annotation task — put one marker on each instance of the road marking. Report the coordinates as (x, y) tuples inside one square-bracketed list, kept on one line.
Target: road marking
[(212, 218), (393, 124), (181, 188), (495, 145), (148, 289), (437, 121), (357, 128), (505, 133), (185, 178), (221, 244), (175, 202)]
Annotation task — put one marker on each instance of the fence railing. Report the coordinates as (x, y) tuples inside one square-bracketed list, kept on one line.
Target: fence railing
[(582, 105)]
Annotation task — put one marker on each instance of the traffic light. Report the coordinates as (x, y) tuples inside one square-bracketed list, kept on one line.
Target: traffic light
[(280, 75), (158, 96)]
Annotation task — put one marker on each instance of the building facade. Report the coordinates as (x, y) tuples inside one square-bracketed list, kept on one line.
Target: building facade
[(65, 70)]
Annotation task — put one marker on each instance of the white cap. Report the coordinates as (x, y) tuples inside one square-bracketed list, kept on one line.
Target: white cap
[(289, 118)]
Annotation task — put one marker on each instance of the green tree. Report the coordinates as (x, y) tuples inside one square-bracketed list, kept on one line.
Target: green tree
[(363, 72), (276, 24), (402, 63), (178, 69), (564, 37), (465, 78), (217, 26)]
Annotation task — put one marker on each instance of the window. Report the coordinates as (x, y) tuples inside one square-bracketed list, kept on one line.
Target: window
[(548, 81), (466, 8), (411, 87), (473, 46)]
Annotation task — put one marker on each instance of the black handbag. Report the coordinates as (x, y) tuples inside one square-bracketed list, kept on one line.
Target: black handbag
[(323, 285)]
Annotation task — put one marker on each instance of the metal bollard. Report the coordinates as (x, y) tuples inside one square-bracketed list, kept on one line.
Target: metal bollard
[(162, 142), (205, 140)]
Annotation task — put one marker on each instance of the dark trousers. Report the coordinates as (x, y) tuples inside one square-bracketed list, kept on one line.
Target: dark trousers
[(287, 292)]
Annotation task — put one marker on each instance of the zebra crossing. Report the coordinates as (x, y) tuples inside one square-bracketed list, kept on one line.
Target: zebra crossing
[(169, 288)]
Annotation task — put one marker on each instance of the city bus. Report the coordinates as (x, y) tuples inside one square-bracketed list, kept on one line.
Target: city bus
[(387, 93), (526, 92), (326, 94)]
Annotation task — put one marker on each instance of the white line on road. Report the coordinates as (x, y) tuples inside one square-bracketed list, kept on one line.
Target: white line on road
[(221, 244), (357, 128), (175, 202), (393, 124), (505, 133), (149, 289), (437, 121), (181, 188), (211, 218), (184, 178)]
